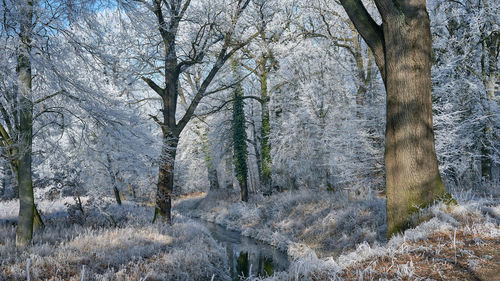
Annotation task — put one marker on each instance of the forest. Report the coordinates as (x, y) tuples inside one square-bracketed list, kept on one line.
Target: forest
[(249, 140)]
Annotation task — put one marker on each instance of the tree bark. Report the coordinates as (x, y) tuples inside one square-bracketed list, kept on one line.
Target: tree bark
[(240, 140), (402, 49), (24, 232), (265, 132), (490, 49), (412, 175), (229, 178), (212, 176), (165, 186), (116, 192)]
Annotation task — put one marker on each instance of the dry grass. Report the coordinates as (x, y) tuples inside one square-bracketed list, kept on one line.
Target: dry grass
[(441, 256), (326, 222), (130, 250)]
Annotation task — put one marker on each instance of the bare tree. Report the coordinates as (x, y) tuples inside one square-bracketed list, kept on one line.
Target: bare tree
[(168, 16)]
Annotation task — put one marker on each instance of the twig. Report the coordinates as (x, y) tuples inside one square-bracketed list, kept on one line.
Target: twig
[(28, 263), (145, 277)]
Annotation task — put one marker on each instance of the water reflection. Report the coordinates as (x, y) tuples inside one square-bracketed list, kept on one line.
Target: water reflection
[(248, 257)]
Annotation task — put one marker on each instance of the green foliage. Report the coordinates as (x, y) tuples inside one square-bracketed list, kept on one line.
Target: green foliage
[(239, 136)]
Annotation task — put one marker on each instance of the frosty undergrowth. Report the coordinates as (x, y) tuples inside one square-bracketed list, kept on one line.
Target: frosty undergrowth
[(326, 222), (326, 235), (133, 249), (342, 232)]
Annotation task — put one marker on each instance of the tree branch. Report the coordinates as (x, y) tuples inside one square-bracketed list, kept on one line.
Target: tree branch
[(368, 29), (220, 107), (50, 96), (154, 86)]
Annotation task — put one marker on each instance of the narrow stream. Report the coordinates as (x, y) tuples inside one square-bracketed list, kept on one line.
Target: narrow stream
[(247, 256)]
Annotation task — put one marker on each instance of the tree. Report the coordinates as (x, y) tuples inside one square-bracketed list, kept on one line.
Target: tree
[(169, 17), (240, 141), (402, 49), (203, 135), (465, 71), (24, 230), (272, 19), (265, 62)]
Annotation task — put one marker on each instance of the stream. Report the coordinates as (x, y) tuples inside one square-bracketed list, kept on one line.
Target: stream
[(247, 256)]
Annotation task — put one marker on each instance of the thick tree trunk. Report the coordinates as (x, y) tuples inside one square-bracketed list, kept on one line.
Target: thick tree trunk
[(165, 184), (412, 175), (402, 51), (24, 231)]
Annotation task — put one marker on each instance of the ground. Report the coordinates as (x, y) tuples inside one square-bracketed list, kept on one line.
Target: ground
[(109, 243), (459, 242), (441, 256), (329, 236)]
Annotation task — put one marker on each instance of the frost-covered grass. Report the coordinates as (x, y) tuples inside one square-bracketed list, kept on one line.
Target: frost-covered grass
[(326, 222), (328, 236), (109, 243), (332, 238)]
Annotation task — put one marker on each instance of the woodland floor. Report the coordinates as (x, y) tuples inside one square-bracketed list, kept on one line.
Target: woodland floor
[(328, 236), (453, 242), (438, 257)]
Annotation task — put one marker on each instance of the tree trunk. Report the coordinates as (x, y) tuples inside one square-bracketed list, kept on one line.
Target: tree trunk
[(412, 175), (229, 168), (165, 184), (402, 50), (7, 178), (37, 219), (244, 190), (109, 167), (24, 231), (212, 176), (490, 44), (265, 131), (240, 140)]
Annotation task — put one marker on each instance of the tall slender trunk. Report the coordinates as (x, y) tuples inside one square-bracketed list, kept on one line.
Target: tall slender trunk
[(4, 181), (24, 231), (255, 144), (412, 175), (229, 168), (116, 192), (265, 145), (114, 184), (240, 140), (165, 184), (213, 178), (490, 44)]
